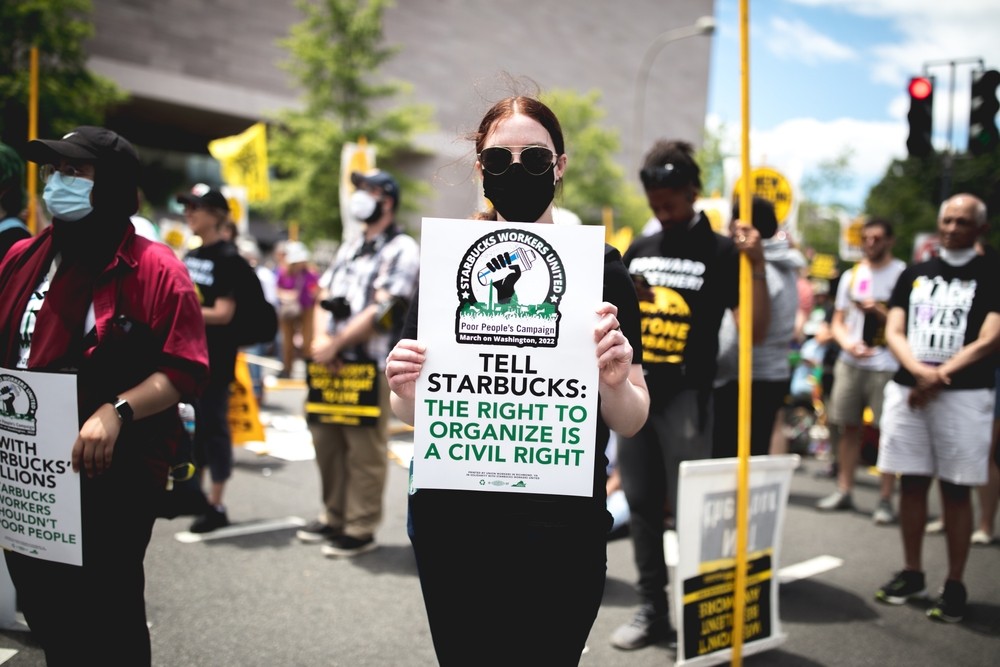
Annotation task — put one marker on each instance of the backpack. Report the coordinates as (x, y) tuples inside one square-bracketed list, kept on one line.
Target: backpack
[(255, 320)]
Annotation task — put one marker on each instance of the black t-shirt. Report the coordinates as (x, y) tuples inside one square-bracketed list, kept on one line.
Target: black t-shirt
[(945, 307), (687, 279), (550, 509), (215, 270)]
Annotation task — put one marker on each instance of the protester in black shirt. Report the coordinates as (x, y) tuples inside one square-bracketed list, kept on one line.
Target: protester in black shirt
[(545, 555)]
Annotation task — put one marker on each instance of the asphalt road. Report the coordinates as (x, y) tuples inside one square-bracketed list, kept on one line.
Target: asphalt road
[(254, 596)]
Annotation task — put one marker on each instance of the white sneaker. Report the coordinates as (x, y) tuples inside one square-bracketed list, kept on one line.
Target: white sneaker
[(838, 500), (934, 527), (982, 537), (883, 514)]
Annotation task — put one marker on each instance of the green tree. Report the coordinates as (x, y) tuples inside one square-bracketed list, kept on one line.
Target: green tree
[(819, 216), (910, 194), (593, 180), (69, 95), (711, 160), (335, 54), (831, 176), (819, 228)]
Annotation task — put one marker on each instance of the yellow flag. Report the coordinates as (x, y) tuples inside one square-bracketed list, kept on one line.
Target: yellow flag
[(244, 161)]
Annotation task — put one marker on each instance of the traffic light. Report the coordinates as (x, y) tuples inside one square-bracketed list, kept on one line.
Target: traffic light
[(983, 135), (918, 144)]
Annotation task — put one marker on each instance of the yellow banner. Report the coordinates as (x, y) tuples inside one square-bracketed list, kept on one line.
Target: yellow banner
[(244, 161)]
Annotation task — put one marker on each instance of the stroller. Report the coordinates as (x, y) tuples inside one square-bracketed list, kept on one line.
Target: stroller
[(805, 412)]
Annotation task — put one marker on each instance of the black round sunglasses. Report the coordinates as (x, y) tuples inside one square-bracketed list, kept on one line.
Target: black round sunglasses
[(536, 160)]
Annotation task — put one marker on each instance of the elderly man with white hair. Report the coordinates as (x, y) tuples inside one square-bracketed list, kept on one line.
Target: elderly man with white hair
[(943, 326)]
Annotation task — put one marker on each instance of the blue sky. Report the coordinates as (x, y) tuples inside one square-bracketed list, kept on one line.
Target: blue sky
[(830, 75)]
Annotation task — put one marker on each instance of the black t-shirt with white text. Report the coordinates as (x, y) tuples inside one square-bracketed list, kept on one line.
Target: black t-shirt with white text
[(687, 279), (214, 270), (945, 307)]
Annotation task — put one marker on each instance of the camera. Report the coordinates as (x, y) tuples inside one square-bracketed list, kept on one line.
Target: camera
[(338, 307)]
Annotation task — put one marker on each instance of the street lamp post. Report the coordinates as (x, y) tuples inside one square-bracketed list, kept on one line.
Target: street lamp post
[(705, 25)]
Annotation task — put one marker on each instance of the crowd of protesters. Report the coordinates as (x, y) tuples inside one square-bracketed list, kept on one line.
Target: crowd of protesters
[(907, 353)]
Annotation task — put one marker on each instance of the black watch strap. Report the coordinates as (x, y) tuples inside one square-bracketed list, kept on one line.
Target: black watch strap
[(123, 409)]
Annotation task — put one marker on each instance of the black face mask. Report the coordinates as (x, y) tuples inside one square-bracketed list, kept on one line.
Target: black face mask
[(517, 195)]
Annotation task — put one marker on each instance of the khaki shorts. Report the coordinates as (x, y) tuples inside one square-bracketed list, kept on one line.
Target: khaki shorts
[(949, 438), (855, 389)]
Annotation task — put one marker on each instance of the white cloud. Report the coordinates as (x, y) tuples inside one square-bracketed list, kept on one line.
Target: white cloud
[(798, 40), (927, 31), (873, 146)]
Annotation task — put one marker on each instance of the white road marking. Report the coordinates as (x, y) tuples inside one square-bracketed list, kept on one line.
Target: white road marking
[(287, 437), (401, 452), (787, 574), (6, 654), (808, 568), (240, 529)]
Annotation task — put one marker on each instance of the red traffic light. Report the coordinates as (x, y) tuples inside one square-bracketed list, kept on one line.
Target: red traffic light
[(920, 88)]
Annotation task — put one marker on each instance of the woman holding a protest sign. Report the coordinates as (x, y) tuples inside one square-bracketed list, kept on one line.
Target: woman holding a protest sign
[(541, 558)]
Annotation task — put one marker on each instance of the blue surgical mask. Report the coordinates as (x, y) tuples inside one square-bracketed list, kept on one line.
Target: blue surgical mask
[(68, 201)]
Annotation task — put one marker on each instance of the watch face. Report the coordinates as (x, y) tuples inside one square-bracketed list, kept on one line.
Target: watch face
[(124, 410)]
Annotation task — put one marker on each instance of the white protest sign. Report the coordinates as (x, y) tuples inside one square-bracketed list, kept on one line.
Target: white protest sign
[(39, 492), (507, 400), (706, 566)]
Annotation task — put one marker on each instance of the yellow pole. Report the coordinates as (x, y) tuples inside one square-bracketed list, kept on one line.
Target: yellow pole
[(745, 351), (33, 134)]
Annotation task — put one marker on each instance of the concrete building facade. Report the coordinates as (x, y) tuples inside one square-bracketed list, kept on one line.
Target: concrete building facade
[(197, 70)]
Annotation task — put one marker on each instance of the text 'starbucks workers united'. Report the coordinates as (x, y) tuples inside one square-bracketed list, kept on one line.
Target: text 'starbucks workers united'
[(508, 395), (510, 287)]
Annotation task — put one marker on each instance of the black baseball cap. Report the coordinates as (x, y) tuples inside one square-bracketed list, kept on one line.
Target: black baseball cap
[(203, 196), (87, 143), (378, 179)]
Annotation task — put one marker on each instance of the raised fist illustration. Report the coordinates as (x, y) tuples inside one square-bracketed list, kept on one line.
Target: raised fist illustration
[(505, 287)]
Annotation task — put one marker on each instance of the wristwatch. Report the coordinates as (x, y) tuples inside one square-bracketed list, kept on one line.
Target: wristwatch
[(123, 409)]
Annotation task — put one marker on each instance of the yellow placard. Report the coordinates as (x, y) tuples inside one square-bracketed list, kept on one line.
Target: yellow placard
[(823, 266), (850, 238), (244, 415), (772, 186)]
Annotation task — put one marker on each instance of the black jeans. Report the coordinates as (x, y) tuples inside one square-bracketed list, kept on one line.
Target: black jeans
[(500, 590), (95, 614), (213, 442), (649, 464)]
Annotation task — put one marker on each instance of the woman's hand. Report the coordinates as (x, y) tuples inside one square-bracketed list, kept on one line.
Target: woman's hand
[(95, 445), (403, 366), (614, 353)]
